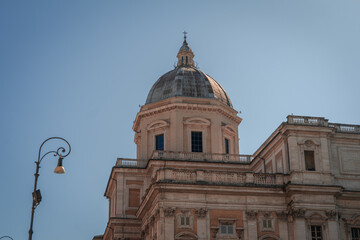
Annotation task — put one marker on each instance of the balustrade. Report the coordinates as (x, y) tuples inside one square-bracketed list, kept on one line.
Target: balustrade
[(218, 157), (131, 163), (319, 121)]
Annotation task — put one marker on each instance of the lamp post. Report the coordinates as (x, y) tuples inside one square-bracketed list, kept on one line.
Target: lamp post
[(58, 170)]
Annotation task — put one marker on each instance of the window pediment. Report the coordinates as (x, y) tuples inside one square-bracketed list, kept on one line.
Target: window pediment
[(228, 128), (354, 220), (197, 121), (316, 218), (186, 235), (157, 124), (269, 237), (309, 143)]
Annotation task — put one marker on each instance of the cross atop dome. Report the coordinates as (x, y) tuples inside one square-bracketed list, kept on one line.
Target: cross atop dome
[(185, 55), (184, 32)]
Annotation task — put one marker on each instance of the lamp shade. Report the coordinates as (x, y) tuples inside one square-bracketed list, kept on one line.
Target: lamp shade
[(59, 168)]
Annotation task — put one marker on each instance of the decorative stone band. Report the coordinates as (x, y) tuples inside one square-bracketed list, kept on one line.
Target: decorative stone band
[(227, 112), (218, 177)]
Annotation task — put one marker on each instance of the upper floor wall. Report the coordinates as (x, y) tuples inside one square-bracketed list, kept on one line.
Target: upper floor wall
[(312, 151), (184, 124)]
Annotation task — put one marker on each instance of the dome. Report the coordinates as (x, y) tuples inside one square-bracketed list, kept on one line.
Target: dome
[(186, 81)]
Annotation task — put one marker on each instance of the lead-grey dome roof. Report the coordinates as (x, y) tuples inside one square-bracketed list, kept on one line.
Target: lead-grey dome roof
[(187, 81)]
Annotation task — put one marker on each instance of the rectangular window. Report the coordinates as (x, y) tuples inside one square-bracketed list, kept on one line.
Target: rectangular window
[(316, 232), (196, 142), (227, 146), (185, 221), (309, 160), (267, 223), (159, 142), (355, 233), (227, 229)]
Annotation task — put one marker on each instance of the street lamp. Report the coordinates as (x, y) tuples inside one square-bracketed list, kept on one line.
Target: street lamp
[(58, 170)]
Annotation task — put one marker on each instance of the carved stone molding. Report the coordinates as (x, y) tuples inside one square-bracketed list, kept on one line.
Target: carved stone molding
[(152, 220), (251, 215), (214, 231), (169, 212), (297, 213), (201, 213), (266, 214), (331, 214), (239, 232), (157, 214), (282, 215)]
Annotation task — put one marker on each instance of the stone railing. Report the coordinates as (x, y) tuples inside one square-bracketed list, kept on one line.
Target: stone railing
[(303, 120), (131, 163), (218, 177), (264, 178), (217, 157), (319, 121), (347, 128)]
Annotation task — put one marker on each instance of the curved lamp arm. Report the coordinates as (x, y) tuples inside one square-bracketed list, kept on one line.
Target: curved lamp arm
[(6, 237), (57, 152)]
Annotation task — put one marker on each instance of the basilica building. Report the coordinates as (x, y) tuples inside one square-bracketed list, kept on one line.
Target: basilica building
[(189, 180)]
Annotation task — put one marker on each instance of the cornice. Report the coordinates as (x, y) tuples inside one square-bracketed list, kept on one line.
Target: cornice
[(229, 113)]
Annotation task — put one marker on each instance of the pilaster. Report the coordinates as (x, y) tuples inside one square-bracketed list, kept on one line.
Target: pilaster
[(201, 215), (169, 224), (293, 153), (332, 225), (299, 225), (283, 225), (120, 196), (252, 225)]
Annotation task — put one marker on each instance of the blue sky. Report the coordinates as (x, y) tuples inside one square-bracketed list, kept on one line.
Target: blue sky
[(80, 69)]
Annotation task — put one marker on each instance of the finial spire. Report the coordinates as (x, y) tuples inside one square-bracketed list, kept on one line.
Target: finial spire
[(185, 55), (184, 35)]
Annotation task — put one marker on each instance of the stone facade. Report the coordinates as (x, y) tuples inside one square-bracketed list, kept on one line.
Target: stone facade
[(303, 181)]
